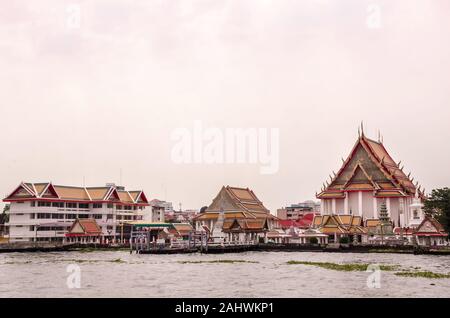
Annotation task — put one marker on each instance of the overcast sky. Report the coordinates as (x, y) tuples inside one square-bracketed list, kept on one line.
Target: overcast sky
[(99, 92)]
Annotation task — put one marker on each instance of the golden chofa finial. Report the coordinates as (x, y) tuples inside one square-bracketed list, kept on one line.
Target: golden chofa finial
[(362, 128)]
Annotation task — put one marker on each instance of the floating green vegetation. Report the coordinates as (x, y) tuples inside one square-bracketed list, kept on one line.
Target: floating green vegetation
[(225, 261), (17, 263), (381, 250), (343, 267), (424, 274), (117, 260)]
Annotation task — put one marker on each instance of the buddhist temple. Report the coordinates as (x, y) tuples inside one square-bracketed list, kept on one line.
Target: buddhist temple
[(84, 231), (431, 233), (236, 214), (368, 177), (338, 226)]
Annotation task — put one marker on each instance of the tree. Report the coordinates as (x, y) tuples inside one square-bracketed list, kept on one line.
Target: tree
[(438, 206), (313, 240), (4, 217)]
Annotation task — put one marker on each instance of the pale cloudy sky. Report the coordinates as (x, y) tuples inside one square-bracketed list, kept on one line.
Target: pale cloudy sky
[(92, 98)]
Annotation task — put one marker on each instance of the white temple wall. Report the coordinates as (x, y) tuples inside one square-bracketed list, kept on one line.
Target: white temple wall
[(353, 203), (340, 206), (394, 212), (367, 204)]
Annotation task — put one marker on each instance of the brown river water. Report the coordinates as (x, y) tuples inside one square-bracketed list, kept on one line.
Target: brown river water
[(120, 274)]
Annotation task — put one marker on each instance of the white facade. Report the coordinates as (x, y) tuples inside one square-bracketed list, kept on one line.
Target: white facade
[(34, 221), (401, 210)]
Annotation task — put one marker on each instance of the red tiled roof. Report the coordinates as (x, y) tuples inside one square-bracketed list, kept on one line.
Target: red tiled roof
[(304, 222)]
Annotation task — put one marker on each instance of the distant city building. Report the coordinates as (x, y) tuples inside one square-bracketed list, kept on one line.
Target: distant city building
[(159, 209), (45, 212), (168, 207), (297, 211)]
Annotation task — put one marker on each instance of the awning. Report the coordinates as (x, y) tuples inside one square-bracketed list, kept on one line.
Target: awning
[(150, 224)]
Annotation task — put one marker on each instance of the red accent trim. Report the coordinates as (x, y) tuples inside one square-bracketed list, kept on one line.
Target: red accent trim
[(74, 201), (17, 190), (142, 197), (80, 234), (429, 234), (51, 189)]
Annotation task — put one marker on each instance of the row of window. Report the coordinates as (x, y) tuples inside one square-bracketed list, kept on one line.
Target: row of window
[(67, 216), (56, 228), (71, 205)]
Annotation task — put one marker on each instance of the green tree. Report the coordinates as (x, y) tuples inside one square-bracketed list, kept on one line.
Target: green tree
[(4, 217), (438, 206), (313, 240)]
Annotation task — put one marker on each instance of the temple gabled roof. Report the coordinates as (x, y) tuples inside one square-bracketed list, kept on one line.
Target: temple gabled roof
[(430, 227), (84, 227), (369, 167), (27, 191), (344, 224), (236, 203)]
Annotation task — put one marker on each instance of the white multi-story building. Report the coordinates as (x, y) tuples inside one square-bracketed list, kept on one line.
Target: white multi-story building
[(44, 212)]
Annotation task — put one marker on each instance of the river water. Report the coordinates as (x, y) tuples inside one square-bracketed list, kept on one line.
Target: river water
[(120, 274)]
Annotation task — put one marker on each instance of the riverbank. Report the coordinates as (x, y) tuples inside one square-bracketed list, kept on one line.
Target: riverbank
[(222, 249)]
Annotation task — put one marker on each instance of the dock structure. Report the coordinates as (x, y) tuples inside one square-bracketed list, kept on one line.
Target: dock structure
[(165, 238)]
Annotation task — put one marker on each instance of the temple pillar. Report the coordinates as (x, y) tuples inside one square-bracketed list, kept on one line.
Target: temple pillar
[(388, 206), (333, 206), (360, 203), (346, 203), (375, 209)]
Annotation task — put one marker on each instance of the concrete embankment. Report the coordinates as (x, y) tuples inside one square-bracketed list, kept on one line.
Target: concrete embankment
[(221, 249)]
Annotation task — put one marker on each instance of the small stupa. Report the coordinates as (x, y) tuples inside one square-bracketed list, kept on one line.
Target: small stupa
[(384, 228)]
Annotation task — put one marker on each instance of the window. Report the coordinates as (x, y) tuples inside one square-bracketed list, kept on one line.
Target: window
[(110, 205), (97, 216), (32, 216), (44, 215), (71, 205), (119, 207), (57, 216), (83, 205), (97, 205), (44, 203), (33, 203), (71, 216), (83, 216), (57, 204), (109, 216)]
